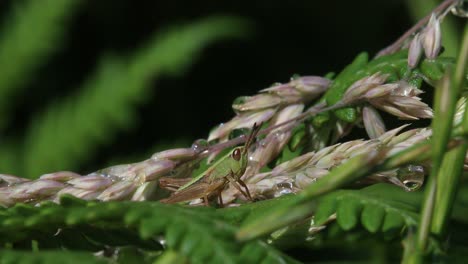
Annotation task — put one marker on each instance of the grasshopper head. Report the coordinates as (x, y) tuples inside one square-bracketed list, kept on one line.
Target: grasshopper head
[(240, 155)]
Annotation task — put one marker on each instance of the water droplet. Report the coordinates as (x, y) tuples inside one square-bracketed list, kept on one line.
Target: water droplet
[(412, 176), (161, 241), (278, 134), (252, 158), (283, 188), (295, 77), (104, 174), (411, 185), (239, 132), (416, 168), (284, 185), (199, 145), (240, 100)]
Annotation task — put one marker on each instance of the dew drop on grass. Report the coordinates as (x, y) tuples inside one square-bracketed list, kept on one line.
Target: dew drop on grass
[(239, 132), (199, 145), (412, 176), (240, 100), (295, 77), (283, 188)]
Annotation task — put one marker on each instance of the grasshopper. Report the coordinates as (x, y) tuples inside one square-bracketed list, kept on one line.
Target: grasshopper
[(213, 181)]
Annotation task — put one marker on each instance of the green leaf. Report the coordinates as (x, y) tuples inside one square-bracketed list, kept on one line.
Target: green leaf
[(171, 257), (46, 257), (150, 228), (199, 234), (326, 208), (348, 213), (372, 217), (380, 207), (174, 233), (393, 221)]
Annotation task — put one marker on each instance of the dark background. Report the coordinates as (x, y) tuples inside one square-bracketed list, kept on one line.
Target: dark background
[(288, 37)]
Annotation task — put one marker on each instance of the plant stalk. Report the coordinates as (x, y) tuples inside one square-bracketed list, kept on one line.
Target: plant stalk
[(441, 197), (452, 165)]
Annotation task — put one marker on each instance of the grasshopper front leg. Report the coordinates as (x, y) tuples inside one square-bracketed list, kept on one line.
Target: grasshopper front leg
[(242, 183), (235, 182)]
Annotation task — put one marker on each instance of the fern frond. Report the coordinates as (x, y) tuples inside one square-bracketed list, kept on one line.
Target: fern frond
[(46, 257), (8, 156), (378, 208), (63, 136), (32, 32), (260, 252), (200, 234)]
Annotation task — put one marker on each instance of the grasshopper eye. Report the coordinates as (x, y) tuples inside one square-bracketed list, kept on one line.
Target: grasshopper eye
[(236, 154)]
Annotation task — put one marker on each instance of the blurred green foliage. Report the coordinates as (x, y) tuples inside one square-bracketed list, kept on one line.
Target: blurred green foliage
[(31, 33), (67, 133)]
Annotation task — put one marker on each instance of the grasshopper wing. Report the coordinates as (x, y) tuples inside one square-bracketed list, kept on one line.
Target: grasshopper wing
[(194, 191)]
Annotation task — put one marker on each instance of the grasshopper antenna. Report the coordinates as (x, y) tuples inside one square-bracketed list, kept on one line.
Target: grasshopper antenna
[(252, 136)]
